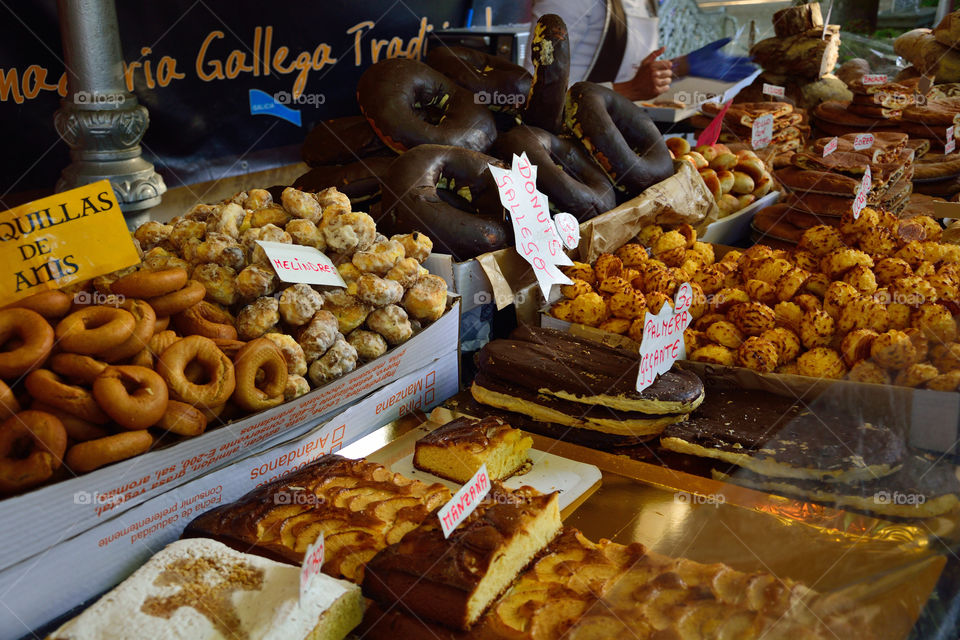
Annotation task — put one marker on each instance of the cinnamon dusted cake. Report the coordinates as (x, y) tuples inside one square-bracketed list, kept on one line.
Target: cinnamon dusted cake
[(458, 449), (202, 589), (359, 506), (452, 581)]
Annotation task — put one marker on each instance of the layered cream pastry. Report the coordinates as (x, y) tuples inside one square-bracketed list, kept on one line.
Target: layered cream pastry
[(199, 588), (458, 449)]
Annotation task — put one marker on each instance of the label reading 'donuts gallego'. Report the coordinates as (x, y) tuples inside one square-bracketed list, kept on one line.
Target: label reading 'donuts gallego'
[(64, 238)]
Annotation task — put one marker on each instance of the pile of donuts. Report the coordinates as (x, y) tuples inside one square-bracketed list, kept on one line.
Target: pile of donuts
[(462, 110), (200, 332)]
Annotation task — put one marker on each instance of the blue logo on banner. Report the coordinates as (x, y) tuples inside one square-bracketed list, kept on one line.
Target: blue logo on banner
[(264, 104)]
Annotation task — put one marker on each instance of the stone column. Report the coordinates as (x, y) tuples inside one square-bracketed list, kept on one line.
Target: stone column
[(100, 120)]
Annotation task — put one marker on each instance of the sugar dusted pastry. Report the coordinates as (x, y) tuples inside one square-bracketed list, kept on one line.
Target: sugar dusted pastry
[(305, 232), (186, 230), (258, 318), (257, 199), (379, 292), (416, 245), (380, 257), (392, 323), (318, 335), (296, 387), (220, 283), (221, 249), (158, 259), (268, 233), (255, 281), (406, 272), (226, 219), (339, 360), (427, 299), (331, 196), (292, 352), (272, 214), (298, 303), (369, 344), (349, 311), (354, 231), (200, 588), (302, 205), (152, 233)]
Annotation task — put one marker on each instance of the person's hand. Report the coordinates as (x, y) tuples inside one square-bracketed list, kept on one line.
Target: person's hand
[(710, 62), (652, 78)]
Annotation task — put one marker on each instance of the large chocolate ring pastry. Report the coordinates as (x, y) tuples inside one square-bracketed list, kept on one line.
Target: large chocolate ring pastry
[(565, 171), (448, 192), (359, 181), (341, 141), (620, 137), (407, 103), (497, 82), (550, 51)]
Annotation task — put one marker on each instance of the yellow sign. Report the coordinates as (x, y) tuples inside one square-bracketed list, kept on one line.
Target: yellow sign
[(66, 238)]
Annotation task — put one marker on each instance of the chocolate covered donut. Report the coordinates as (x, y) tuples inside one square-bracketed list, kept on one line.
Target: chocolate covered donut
[(496, 82), (447, 192), (359, 180), (565, 171), (342, 141), (619, 135), (408, 103), (550, 51)]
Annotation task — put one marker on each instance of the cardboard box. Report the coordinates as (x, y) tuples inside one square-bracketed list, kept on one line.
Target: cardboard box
[(78, 569), (62, 510)]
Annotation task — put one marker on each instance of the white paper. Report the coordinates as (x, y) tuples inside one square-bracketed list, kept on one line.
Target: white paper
[(662, 343), (861, 200), (297, 263), (312, 563), (773, 90), (464, 502), (762, 133), (863, 141), (568, 228), (874, 78), (535, 234), (951, 143), (830, 147)]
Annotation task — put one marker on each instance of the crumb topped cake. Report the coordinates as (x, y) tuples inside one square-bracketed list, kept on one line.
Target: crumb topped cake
[(199, 588), (456, 450)]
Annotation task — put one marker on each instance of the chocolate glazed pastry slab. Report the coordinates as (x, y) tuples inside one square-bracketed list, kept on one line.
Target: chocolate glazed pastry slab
[(768, 435), (562, 366), (539, 406), (922, 488)]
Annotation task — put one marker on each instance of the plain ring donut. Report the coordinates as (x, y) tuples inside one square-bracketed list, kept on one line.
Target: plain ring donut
[(408, 104), (50, 304), (93, 454), (150, 284), (146, 319), (217, 367), (208, 320), (183, 419), (93, 330), (35, 335), (32, 444), (566, 173), (620, 137), (135, 397), (180, 300), (412, 200), (77, 368), (260, 356), (46, 386)]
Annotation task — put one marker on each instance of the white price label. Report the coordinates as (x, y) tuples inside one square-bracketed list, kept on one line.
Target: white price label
[(662, 343), (950, 144), (773, 90), (535, 233), (297, 263), (863, 141), (569, 229), (874, 78), (464, 501), (312, 564), (762, 132), (830, 147), (861, 200)]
